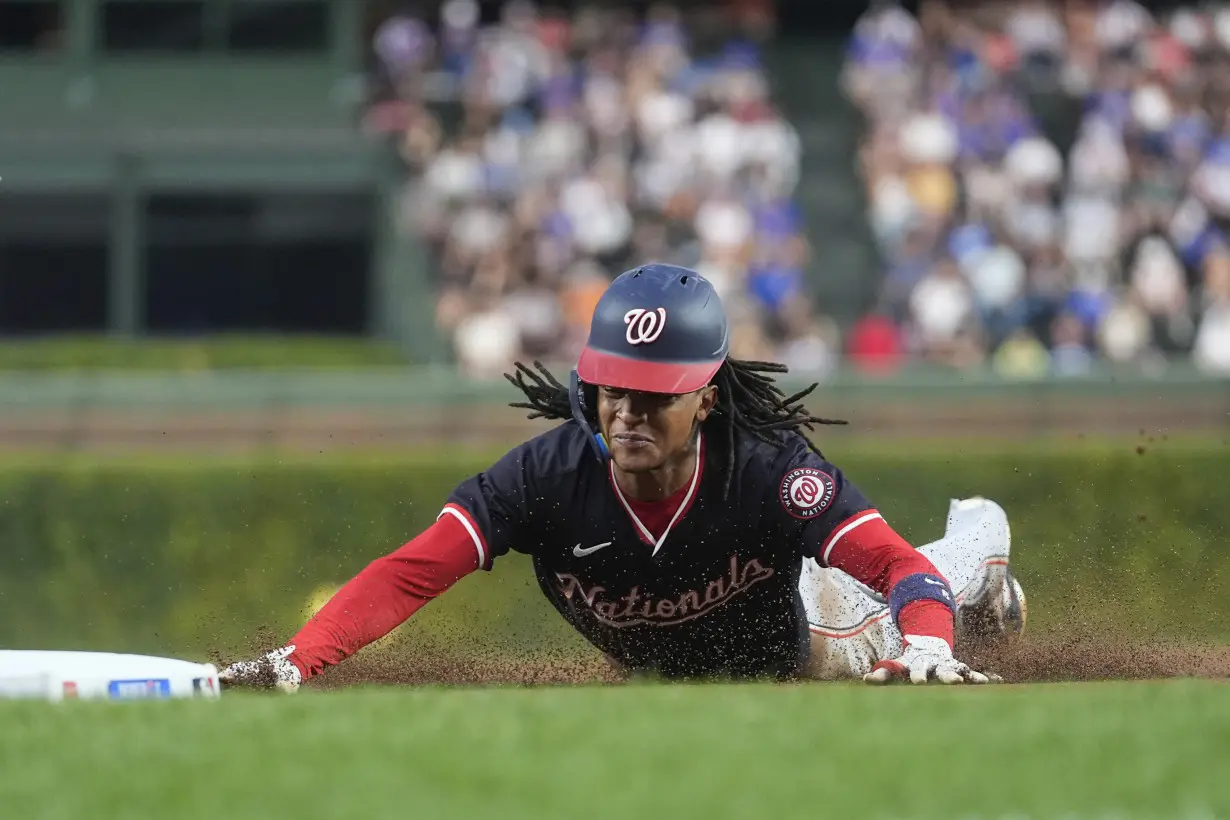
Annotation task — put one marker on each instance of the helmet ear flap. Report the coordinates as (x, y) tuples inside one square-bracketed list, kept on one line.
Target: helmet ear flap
[(584, 400)]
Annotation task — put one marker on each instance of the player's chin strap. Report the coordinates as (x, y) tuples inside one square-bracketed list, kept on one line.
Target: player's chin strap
[(576, 397)]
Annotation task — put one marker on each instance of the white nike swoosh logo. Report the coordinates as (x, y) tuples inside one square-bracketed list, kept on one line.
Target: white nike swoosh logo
[(936, 583), (581, 552)]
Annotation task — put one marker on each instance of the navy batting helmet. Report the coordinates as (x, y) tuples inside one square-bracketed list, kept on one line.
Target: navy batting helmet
[(658, 329)]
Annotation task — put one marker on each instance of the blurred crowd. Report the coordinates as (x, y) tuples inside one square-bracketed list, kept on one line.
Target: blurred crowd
[(1041, 244), (1043, 178), (571, 147)]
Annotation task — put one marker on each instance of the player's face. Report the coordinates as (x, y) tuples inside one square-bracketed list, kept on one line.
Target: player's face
[(645, 430)]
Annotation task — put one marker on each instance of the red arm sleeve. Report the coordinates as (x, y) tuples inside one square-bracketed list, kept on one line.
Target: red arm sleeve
[(386, 593), (875, 555)]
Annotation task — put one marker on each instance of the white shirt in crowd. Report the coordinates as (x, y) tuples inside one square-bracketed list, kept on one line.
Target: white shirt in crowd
[(660, 112), (997, 276), (1099, 160), (487, 341), (1157, 276), (808, 354), (891, 24), (1091, 229), (557, 147), (1036, 29), (536, 313), (941, 305), (516, 64), (723, 222), (719, 146), (604, 105), (455, 174), (1125, 332), (1120, 23), (479, 228), (1212, 350), (600, 222)]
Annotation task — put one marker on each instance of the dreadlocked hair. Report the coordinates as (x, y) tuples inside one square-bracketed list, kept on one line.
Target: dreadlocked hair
[(748, 399)]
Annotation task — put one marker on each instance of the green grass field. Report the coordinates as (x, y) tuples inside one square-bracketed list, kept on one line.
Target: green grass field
[(1107, 750), (92, 353)]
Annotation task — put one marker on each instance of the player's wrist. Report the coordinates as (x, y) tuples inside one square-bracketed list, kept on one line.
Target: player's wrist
[(920, 586), (301, 669), (928, 618)]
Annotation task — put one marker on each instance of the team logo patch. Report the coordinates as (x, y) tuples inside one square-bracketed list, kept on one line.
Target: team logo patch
[(806, 492), (644, 326)]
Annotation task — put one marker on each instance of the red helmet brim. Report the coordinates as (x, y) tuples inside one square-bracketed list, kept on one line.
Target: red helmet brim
[(608, 370)]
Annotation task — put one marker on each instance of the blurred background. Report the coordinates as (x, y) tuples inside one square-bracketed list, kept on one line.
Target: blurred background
[(294, 233)]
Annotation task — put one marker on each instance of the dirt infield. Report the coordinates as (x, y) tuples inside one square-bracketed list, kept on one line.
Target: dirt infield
[(422, 669), (1090, 658), (1038, 659)]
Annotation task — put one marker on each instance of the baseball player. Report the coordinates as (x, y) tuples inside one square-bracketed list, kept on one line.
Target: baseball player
[(681, 522)]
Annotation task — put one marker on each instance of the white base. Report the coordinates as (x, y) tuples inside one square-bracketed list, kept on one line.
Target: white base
[(56, 675)]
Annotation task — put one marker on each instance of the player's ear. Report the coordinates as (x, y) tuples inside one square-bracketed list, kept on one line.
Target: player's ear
[(708, 400)]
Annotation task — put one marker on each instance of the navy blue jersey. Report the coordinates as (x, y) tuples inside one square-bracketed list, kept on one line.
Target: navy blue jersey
[(718, 596)]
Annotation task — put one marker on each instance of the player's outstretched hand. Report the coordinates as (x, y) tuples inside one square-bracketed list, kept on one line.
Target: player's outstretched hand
[(925, 659), (270, 671)]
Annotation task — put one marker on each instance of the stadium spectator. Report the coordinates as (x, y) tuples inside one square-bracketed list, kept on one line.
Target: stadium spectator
[(875, 346)]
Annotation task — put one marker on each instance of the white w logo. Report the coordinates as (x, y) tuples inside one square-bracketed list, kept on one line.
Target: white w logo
[(644, 326)]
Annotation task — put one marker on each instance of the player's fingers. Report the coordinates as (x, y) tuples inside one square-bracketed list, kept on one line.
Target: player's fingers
[(878, 677), (993, 678), (238, 674), (885, 672), (976, 677), (949, 675), (919, 673)]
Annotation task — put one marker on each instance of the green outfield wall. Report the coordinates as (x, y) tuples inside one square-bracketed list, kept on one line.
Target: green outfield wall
[(334, 408), (191, 557)]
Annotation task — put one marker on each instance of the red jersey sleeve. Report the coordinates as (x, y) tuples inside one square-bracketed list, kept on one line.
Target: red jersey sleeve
[(874, 554), (839, 527), (385, 594)]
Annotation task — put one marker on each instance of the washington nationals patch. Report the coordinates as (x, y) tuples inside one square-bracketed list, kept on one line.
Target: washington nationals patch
[(806, 492)]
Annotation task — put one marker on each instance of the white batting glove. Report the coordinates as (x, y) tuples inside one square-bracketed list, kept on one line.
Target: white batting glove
[(925, 658), (270, 671)]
